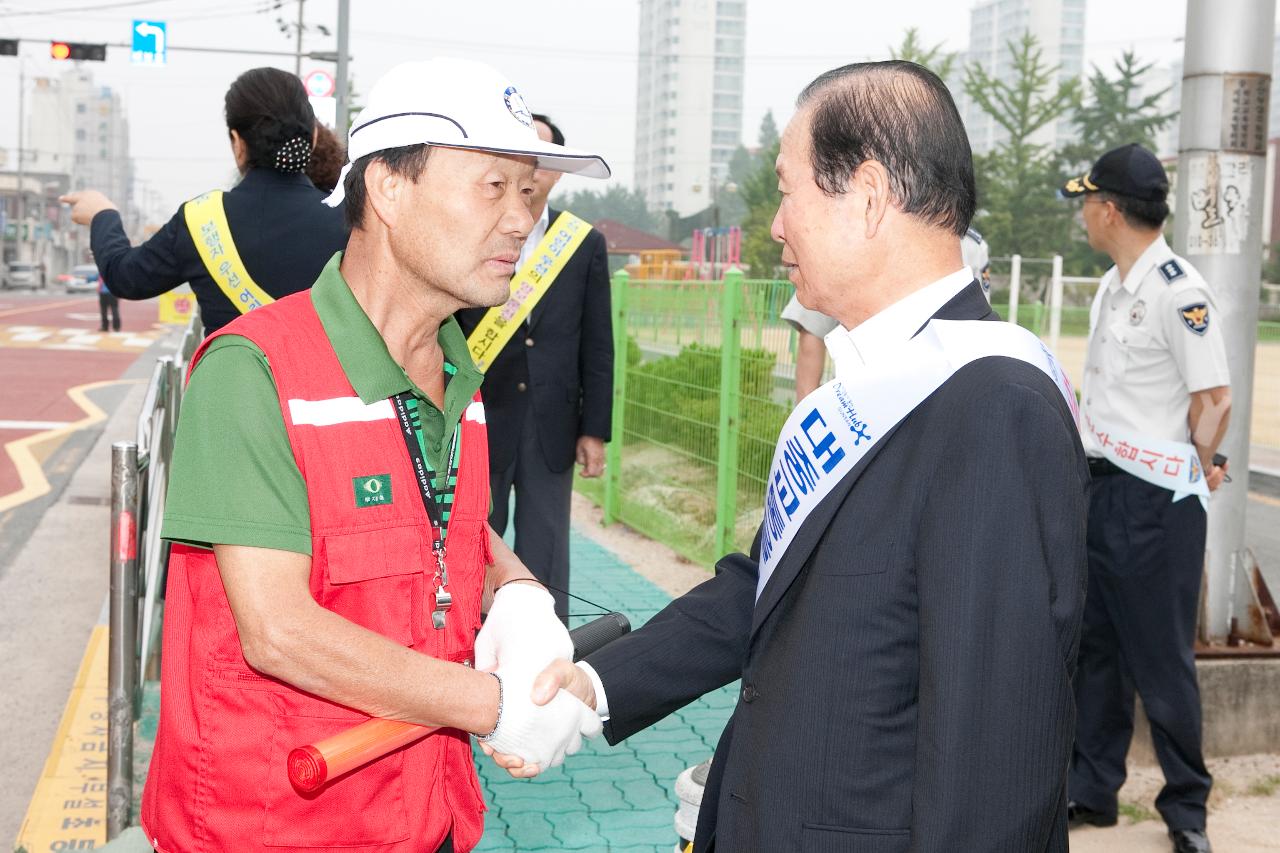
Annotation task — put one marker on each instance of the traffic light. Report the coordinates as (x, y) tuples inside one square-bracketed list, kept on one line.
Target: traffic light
[(8, 47), (78, 51)]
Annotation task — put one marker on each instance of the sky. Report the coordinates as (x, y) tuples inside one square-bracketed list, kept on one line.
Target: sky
[(572, 59)]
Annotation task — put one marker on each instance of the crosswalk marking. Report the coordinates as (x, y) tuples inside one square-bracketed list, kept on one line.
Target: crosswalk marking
[(33, 424), (77, 340)]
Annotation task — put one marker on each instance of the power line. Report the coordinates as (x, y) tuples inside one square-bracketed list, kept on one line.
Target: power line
[(611, 55), (70, 9)]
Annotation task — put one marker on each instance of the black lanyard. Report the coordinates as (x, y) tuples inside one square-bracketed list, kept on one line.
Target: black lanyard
[(422, 474)]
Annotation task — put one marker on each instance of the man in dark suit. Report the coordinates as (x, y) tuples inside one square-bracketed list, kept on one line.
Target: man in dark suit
[(906, 662), (549, 395)]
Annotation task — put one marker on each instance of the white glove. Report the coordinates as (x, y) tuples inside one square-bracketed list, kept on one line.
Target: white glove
[(522, 630), (539, 734)]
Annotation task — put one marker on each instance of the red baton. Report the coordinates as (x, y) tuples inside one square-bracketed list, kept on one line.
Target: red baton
[(311, 766)]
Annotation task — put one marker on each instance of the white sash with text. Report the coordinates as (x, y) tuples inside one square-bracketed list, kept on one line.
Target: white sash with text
[(1172, 465), (834, 427)]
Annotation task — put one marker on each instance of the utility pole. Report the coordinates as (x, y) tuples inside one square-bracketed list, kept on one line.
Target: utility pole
[(297, 62), (22, 177), (342, 120), (1222, 150)]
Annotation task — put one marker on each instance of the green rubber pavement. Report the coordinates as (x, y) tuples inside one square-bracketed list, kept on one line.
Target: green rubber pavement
[(606, 799)]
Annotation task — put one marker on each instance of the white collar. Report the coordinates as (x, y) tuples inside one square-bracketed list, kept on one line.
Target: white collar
[(1152, 255), (536, 233), (893, 326)]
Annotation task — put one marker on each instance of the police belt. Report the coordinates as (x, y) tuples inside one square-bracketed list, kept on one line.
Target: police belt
[(1102, 467)]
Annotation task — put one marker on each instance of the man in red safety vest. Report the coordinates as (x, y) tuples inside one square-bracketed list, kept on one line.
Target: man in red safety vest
[(328, 502)]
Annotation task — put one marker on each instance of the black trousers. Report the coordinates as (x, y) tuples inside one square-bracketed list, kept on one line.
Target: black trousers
[(543, 499), (109, 302), (1146, 559)]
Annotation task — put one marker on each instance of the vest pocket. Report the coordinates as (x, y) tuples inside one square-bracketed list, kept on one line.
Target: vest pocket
[(364, 807), (376, 579), (817, 838)]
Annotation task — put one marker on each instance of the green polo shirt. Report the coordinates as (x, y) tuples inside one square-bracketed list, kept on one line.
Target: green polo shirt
[(233, 479)]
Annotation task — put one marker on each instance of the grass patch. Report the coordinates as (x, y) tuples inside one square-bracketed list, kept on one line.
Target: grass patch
[(1136, 812), (1265, 787)]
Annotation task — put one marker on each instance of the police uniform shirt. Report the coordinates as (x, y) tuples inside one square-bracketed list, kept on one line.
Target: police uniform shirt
[(1155, 339)]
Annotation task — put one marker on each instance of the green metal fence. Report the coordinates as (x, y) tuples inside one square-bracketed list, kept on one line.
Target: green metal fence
[(703, 380)]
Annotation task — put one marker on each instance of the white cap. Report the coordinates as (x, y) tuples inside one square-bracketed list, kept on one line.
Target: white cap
[(460, 104)]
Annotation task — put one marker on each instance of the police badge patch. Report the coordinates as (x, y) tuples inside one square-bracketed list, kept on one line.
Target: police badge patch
[(1195, 317), (1137, 312)]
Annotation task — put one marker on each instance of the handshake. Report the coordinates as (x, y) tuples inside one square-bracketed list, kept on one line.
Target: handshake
[(540, 721)]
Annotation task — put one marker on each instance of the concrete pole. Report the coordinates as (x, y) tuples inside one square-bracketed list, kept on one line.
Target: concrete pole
[(343, 118), (23, 246), (1218, 228), (297, 62)]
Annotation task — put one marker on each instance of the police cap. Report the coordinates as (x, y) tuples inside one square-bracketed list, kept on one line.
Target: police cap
[(1129, 170)]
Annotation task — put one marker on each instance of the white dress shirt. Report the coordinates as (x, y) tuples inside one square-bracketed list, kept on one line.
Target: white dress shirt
[(531, 242), (854, 349)]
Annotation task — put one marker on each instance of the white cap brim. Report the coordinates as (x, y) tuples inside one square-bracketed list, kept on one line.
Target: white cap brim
[(404, 129)]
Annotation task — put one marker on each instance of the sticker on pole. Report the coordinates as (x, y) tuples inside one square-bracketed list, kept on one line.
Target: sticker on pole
[(150, 43), (1219, 190)]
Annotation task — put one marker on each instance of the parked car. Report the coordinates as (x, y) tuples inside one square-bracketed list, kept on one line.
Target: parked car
[(23, 274), (83, 278)]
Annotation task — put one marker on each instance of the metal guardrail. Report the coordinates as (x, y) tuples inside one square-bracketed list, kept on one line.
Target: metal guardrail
[(139, 557)]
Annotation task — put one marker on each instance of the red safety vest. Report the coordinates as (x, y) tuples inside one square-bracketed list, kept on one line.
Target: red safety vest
[(218, 779)]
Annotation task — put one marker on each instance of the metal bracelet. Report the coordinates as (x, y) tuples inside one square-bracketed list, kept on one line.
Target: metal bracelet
[(497, 720)]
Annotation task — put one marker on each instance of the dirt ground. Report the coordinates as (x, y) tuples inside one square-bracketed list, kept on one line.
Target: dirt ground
[(1244, 810), (1266, 389)]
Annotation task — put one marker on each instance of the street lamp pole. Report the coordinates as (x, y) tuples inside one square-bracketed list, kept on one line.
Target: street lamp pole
[(342, 120)]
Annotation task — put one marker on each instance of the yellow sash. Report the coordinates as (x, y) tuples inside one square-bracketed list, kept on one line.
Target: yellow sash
[(207, 222), (530, 284)]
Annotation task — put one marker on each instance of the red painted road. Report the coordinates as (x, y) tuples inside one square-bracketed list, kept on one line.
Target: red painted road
[(34, 379)]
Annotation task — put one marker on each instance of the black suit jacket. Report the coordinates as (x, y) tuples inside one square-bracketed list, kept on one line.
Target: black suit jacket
[(906, 674), (284, 234), (559, 369)]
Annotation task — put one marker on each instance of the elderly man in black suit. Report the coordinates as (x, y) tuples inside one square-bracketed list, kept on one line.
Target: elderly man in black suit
[(549, 395), (906, 626)]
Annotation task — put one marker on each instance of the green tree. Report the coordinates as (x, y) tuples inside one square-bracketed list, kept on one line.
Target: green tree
[(759, 192), (1115, 113), (1019, 211), (1271, 265), (616, 202), (934, 58), (741, 164), (768, 132)]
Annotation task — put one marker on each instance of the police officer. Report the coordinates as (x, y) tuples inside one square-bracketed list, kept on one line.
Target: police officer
[(813, 326), (267, 237), (1155, 406)]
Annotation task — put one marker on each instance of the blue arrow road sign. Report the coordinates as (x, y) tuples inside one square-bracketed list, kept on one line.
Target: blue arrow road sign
[(150, 44)]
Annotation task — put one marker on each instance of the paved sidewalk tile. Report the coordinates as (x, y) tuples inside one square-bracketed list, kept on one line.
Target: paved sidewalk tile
[(606, 799)]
